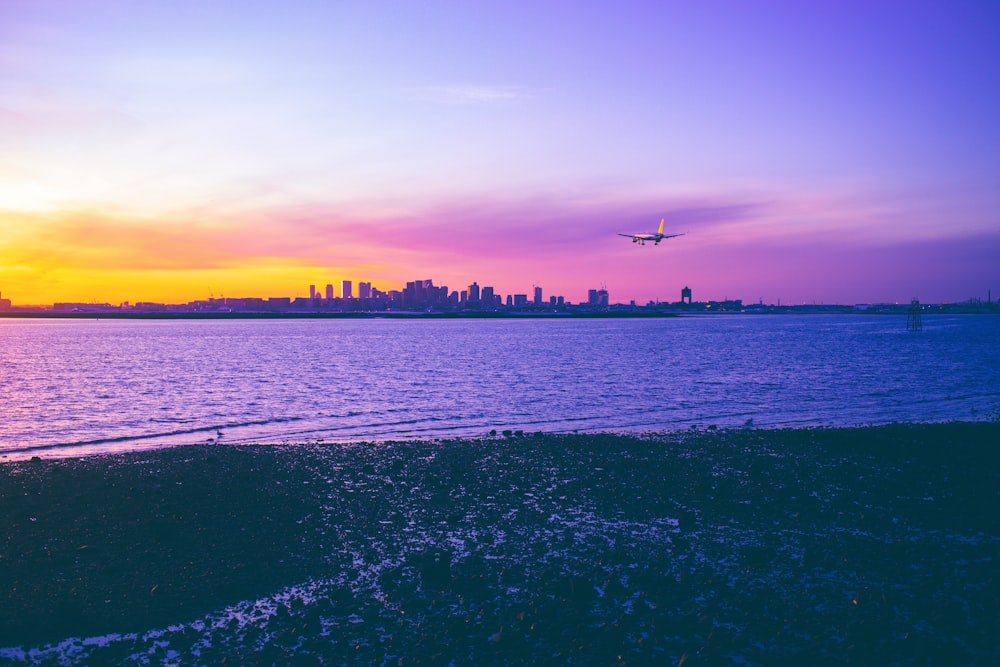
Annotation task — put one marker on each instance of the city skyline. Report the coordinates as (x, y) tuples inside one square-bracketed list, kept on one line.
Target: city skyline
[(168, 151), (399, 295), (423, 295)]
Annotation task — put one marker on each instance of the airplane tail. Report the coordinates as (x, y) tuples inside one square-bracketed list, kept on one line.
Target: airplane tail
[(662, 220)]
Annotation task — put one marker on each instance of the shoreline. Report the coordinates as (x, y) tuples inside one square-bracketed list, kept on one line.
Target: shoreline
[(619, 312), (337, 315), (829, 545)]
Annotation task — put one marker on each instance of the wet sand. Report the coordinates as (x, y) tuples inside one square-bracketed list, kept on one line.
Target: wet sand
[(831, 546)]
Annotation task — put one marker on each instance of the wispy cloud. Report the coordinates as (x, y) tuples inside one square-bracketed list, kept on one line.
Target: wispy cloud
[(467, 94), (736, 244), (95, 240)]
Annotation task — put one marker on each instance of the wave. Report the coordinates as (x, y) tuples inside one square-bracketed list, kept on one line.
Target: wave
[(139, 437)]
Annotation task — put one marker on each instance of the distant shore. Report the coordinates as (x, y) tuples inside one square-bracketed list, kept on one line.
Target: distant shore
[(834, 546), (402, 315), (615, 312)]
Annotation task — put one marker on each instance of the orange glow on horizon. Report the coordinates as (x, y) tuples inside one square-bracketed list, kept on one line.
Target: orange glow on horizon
[(30, 287)]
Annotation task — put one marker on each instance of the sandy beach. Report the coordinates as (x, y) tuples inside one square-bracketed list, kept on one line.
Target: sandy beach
[(825, 546)]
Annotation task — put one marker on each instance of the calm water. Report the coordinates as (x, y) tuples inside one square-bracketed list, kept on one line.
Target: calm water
[(70, 387)]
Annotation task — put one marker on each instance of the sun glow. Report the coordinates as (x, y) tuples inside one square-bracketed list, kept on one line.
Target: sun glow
[(169, 151), (27, 198)]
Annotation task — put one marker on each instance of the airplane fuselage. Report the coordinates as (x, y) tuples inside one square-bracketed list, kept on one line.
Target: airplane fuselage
[(655, 237)]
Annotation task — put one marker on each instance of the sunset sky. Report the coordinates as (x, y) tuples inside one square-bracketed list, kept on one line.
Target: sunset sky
[(811, 151)]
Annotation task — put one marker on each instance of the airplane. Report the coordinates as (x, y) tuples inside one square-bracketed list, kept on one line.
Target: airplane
[(655, 238)]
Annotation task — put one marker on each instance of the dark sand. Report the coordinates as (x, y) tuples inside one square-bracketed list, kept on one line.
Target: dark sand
[(841, 546)]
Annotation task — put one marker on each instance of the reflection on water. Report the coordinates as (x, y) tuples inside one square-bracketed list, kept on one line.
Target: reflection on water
[(71, 386)]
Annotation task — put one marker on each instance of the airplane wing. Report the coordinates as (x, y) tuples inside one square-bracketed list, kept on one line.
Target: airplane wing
[(631, 236)]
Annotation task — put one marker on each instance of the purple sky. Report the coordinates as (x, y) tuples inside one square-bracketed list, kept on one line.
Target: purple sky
[(811, 152)]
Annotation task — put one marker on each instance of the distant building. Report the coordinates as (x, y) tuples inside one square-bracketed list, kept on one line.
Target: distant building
[(487, 297), (312, 291), (329, 292), (473, 293), (364, 290), (83, 307), (423, 294), (249, 304), (686, 295), (4, 303), (538, 295), (520, 300), (597, 297), (346, 289)]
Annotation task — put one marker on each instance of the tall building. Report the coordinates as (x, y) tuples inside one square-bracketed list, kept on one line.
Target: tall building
[(364, 290), (329, 292), (312, 291), (409, 295), (423, 293), (474, 293), (538, 295), (597, 297), (346, 289), (487, 297)]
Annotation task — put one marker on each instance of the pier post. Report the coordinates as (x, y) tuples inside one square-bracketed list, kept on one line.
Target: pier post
[(913, 321)]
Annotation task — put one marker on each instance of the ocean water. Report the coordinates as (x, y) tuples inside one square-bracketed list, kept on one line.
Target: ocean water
[(75, 387)]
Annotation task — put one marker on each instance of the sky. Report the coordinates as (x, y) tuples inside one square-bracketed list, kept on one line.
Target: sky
[(810, 152)]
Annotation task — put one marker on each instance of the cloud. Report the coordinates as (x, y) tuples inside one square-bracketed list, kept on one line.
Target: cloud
[(708, 213), (466, 94), (737, 244), (103, 241), (42, 110)]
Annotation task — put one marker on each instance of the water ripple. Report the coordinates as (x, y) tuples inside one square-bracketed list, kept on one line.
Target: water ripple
[(86, 386)]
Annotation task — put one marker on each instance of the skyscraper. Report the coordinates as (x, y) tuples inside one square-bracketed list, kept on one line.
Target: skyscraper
[(364, 290), (312, 291), (346, 289), (329, 292), (598, 297), (538, 295), (474, 292), (423, 293)]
